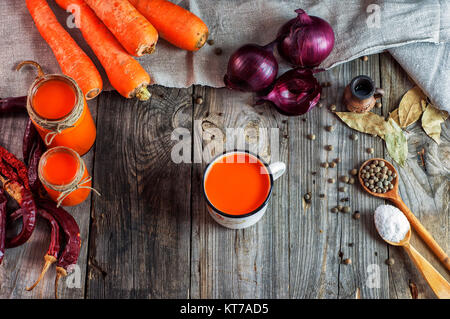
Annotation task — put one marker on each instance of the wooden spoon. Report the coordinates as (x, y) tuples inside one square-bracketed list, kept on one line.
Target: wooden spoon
[(395, 198), (438, 284)]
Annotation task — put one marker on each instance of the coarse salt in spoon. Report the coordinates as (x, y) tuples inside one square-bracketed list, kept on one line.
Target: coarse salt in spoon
[(393, 195), (395, 229)]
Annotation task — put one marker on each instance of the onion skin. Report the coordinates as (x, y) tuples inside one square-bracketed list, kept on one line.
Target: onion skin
[(305, 40), (295, 92), (251, 68)]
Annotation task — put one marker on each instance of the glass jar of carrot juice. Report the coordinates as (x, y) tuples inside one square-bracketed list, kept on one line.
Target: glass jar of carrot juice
[(64, 176), (59, 111)]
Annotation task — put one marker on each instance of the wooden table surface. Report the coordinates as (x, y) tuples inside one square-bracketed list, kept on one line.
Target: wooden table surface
[(149, 235)]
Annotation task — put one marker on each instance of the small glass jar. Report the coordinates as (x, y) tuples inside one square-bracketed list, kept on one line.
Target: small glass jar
[(64, 176), (76, 129)]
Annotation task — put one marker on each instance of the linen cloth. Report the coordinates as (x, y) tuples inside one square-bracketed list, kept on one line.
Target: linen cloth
[(417, 33)]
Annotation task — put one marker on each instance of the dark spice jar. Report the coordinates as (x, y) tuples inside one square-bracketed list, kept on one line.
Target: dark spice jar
[(360, 94)]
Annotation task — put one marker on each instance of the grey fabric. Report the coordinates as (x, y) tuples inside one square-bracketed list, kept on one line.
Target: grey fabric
[(429, 65), (409, 29)]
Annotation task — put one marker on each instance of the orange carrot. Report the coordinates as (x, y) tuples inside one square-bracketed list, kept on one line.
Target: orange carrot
[(174, 23), (71, 58), (126, 75), (132, 29)]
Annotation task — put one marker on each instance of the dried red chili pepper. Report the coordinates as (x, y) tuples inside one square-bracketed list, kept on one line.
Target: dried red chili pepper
[(29, 140), (26, 201), (53, 249), (69, 255), (13, 104), (52, 253), (8, 172), (16, 164), (14, 185), (15, 216), (35, 182), (33, 148), (2, 224)]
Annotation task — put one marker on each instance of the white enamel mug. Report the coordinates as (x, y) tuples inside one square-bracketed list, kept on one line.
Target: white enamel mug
[(275, 170)]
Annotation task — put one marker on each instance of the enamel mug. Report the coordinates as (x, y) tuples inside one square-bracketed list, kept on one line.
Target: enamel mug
[(275, 170)]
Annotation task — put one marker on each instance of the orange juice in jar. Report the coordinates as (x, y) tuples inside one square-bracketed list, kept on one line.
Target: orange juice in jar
[(64, 176), (59, 111)]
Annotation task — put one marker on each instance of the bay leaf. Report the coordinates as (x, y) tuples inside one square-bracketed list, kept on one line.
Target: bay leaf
[(394, 115), (366, 122), (423, 103), (396, 143), (410, 108), (409, 115), (431, 122)]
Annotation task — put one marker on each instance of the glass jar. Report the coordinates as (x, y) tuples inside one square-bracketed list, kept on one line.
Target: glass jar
[(64, 176), (75, 128)]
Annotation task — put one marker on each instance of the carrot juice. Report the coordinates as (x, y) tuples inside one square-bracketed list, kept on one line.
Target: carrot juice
[(60, 113), (60, 168), (54, 99), (237, 184), (64, 176)]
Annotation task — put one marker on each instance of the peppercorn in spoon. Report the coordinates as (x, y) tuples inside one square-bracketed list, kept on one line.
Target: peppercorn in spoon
[(391, 193), (391, 224)]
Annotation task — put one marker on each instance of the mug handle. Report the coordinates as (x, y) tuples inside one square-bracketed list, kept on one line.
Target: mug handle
[(277, 169), (378, 93)]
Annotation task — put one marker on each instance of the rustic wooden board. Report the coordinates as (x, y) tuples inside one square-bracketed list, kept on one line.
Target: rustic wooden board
[(249, 263), (424, 187), (150, 235), (320, 239), (22, 265), (140, 232)]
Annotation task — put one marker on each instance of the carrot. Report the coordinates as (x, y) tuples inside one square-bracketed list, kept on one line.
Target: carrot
[(126, 75), (132, 29), (174, 23), (71, 58)]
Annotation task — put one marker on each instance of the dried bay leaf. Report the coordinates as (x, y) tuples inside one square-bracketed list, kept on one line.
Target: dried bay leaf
[(409, 115), (394, 115), (390, 131), (411, 107), (423, 104), (396, 142), (366, 122), (431, 122)]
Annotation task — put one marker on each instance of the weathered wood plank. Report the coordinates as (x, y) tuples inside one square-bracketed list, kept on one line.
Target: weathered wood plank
[(424, 188), (249, 263), (317, 235), (140, 234), (367, 276), (22, 265), (313, 230)]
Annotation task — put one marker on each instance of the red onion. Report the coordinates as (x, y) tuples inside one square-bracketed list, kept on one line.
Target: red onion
[(295, 92), (251, 68), (306, 40)]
